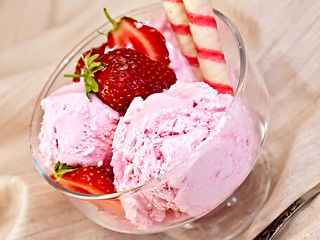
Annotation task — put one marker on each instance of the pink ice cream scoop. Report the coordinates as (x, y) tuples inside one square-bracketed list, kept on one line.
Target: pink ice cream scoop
[(160, 133), (76, 130)]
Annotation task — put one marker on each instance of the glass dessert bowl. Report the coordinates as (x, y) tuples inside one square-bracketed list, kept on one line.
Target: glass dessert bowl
[(206, 178)]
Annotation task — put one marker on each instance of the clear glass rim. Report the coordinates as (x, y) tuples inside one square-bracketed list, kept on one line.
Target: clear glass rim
[(67, 59)]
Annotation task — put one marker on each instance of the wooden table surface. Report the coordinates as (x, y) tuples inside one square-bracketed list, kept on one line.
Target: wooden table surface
[(283, 38)]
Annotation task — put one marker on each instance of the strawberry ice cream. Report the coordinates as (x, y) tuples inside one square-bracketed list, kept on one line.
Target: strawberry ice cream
[(76, 130), (165, 130)]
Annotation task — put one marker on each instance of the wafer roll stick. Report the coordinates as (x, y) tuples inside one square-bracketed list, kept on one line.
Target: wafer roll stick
[(203, 34), (207, 43), (179, 22)]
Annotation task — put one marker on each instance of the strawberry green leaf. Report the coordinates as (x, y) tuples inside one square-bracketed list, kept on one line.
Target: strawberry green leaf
[(60, 169), (88, 90), (113, 22), (57, 166), (95, 87), (101, 33), (91, 59), (90, 68), (73, 75), (94, 65)]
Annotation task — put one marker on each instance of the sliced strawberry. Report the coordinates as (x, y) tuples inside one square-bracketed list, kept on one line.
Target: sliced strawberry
[(144, 39), (128, 74), (89, 180)]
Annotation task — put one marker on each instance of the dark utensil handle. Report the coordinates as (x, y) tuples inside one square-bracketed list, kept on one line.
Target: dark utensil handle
[(273, 228)]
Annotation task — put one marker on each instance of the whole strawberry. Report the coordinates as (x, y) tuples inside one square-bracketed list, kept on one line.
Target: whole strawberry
[(120, 75), (128, 74)]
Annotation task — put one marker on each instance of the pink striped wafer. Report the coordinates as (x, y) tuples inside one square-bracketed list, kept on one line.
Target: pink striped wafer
[(196, 30), (179, 22), (203, 27)]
